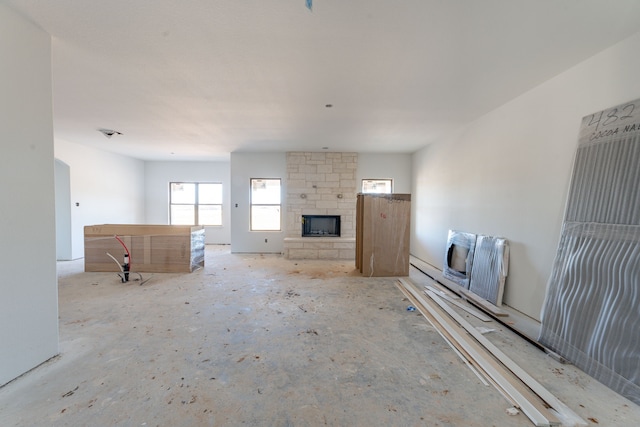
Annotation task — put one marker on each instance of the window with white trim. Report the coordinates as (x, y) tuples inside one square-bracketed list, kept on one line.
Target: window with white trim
[(377, 186), (195, 203), (265, 204)]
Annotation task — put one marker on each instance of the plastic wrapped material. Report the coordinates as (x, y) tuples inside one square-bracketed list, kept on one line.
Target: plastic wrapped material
[(590, 315), (197, 249), (458, 259), (490, 268)]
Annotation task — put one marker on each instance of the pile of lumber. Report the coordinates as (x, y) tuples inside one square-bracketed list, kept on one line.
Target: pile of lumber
[(489, 363)]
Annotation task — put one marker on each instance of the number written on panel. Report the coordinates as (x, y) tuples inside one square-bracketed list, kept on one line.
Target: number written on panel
[(611, 116)]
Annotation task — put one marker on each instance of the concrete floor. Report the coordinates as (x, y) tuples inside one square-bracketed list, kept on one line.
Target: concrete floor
[(259, 340)]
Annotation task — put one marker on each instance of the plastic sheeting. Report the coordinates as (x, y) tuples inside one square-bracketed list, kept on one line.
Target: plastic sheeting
[(590, 315), (197, 249), (490, 268), (458, 258)]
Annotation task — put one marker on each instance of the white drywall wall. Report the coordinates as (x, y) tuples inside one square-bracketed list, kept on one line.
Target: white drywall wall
[(245, 166), (108, 188), (507, 174), (385, 166), (28, 288), (158, 175), (63, 210)]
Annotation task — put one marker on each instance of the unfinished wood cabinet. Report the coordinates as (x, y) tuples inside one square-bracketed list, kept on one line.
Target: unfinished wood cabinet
[(153, 248), (382, 234)]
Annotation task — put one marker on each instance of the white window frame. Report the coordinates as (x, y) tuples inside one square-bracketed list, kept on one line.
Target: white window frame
[(252, 226), (373, 180), (196, 204)]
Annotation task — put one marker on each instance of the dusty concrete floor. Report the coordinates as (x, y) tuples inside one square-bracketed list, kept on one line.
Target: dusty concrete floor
[(264, 341)]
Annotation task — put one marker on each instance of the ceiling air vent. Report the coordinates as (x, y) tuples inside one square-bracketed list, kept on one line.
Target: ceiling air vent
[(109, 132)]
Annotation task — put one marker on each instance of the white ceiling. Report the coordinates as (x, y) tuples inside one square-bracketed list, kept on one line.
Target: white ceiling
[(198, 79)]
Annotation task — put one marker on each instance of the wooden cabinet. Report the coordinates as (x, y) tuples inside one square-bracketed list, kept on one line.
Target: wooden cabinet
[(383, 223), (154, 248)]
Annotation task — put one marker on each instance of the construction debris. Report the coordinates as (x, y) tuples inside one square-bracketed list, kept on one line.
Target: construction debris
[(486, 360)]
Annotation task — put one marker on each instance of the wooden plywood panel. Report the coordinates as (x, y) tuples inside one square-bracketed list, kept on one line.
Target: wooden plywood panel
[(109, 230), (165, 249), (359, 213), (367, 237), (383, 234)]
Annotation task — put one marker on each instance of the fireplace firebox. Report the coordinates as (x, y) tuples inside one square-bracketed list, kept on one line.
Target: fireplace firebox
[(320, 225)]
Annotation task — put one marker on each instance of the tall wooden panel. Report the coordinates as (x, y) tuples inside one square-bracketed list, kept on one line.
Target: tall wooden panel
[(382, 234), (359, 217)]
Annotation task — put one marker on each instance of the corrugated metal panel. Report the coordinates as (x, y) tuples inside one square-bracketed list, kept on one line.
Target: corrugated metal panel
[(604, 186), (590, 314), (490, 268)]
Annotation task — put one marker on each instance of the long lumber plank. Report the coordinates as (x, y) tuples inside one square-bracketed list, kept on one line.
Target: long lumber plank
[(568, 416), (461, 352), (469, 310), (443, 289), (538, 416), (483, 304), (509, 377), (463, 355), (479, 369)]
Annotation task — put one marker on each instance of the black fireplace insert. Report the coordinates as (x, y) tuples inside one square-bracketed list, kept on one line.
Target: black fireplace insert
[(320, 225)]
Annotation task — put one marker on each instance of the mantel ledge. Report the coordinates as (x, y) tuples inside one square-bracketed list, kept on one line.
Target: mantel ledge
[(319, 239)]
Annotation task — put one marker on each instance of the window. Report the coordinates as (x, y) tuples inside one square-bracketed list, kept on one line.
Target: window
[(195, 203), (265, 204), (377, 186)]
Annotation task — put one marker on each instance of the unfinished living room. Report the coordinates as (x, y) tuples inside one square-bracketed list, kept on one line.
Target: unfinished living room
[(307, 213)]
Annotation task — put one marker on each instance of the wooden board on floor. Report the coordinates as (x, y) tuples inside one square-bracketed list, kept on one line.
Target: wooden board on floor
[(527, 379), (484, 304), (458, 304), (526, 400)]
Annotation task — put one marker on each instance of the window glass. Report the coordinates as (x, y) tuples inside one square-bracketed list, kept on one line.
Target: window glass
[(265, 218), (265, 204), (195, 203), (265, 191), (182, 214), (210, 214), (210, 194), (377, 186), (183, 192)]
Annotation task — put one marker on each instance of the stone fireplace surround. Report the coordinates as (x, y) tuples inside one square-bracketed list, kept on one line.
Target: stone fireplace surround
[(321, 183)]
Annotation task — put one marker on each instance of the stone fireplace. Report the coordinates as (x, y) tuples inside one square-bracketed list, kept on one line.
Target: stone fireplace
[(320, 186)]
